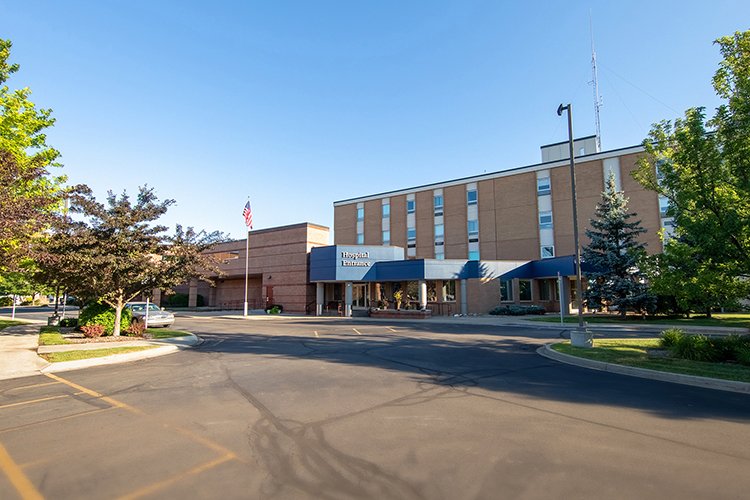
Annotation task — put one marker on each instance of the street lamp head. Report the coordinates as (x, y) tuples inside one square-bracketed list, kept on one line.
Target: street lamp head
[(560, 109)]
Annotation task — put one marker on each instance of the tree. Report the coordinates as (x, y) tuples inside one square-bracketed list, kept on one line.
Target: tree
[(615, 252), (703, 166), (696, 282), (28, 194), (115, 253)]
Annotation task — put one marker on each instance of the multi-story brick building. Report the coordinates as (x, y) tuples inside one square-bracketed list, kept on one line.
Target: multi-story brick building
[(521, 215)]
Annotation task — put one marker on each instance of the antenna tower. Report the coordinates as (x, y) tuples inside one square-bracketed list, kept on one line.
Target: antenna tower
[(595, 82)]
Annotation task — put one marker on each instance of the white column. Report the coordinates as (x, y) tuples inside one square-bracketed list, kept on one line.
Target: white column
[(422, 294), (464, 301), (319, 297), (348, 299)]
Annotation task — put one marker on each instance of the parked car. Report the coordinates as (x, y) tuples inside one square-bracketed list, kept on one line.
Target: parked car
[(156, 316)]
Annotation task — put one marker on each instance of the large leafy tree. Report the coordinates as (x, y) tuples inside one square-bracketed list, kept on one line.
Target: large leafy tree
[(614, 253), (703, 167), (117, 251), (28, 193)]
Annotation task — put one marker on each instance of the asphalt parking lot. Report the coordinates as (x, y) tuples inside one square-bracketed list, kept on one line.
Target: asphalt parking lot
[(332, 408)]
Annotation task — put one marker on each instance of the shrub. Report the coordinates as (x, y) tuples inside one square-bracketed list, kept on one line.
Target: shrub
[(516, 310), (136, 328), (6, 301), (69, 322), (102, 314), (181, 300), (670, 337), (743, 355), (695, 348), (274, 309), (92, 330)]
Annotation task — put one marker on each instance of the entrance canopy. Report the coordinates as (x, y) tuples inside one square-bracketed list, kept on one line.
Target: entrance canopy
[(547, 268), (360, 263)]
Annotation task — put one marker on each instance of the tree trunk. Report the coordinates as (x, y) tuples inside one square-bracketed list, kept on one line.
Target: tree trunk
[(708, 313), (118, 317)]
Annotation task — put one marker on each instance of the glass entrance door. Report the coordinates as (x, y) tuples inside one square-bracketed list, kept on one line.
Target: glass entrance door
[(360, 295)]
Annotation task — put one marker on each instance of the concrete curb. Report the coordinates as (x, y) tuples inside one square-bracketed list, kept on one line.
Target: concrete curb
[(163, 347), (676, 378)]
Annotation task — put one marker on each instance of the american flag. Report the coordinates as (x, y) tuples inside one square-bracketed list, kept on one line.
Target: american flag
[(247, 213)]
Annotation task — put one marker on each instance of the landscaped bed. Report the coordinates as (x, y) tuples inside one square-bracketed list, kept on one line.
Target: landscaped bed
[(53, 335), (635, 352), (725, 320)]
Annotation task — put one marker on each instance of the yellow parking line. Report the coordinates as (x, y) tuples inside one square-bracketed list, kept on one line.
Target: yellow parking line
[(31, 401), (356, 331), (107, 399), (20, 482), (163, 484)]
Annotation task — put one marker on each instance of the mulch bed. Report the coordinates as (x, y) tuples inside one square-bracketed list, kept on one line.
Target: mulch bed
[(78, 338)]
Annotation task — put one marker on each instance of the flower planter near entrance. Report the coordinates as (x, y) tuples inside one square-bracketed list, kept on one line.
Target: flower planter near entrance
[(401, 314)]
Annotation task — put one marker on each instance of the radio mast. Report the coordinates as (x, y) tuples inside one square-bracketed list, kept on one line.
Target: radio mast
[(595, 83)]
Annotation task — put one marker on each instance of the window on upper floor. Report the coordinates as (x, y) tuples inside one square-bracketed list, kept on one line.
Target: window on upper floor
[(542, 186), (473, 227), (471, 197), (411, 234), (360, 214), (386, 237), (411, 206), (360, 239), (473, 254), (548, 251), (545, 220), (438, 204), (663, 205), (439, 231), (386, 210)]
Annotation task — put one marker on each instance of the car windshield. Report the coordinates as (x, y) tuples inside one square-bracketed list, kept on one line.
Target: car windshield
[(142, 307)]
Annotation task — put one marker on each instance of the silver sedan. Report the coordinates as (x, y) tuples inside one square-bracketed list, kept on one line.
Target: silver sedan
[(156, 315)]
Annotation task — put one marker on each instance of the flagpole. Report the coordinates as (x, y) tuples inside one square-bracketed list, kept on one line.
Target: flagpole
[(247, 264)]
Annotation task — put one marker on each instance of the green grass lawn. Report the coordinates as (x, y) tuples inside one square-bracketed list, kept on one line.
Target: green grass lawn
[(632, 352), (50, 335), (162, 333), (5, 323), (727, 320), (56, 357)]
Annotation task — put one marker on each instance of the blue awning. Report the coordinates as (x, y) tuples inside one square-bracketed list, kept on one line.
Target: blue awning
[(547, 268)]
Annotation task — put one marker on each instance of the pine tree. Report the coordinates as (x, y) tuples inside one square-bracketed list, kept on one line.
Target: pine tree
[(615, 252)]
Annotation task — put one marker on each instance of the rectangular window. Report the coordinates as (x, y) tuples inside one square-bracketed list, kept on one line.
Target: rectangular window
[(473, 226), (411, 205), (386, 237), (360, 214), (474, 255), (524, 289), (471, 197), (449, 291), (386, 210), (438, 204), (542, 186), (411, 234), (545, 220), (360, 239), (439, 253), (506, 290), (439, 231), (548, 252), (544, 289), (663, 205)]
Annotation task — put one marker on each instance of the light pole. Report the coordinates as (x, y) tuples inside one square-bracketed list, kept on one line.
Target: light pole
[(581, 337)]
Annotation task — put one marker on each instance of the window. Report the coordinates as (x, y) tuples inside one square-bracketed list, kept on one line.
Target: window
[(386, 237), (471, 197), (411, 234), (386, 210), (360, 214), (545, 220), (438, 203), (473, 254), (360, 239), (506, 290), (542, 186), (663, 205), (473, 226), (439, 231), (548, 252), (449, 291), (440, 252), (544, 290), (411, 205), (524, 289)]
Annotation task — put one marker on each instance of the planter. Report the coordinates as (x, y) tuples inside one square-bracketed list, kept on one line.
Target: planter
[(401, 314), (581, 338)]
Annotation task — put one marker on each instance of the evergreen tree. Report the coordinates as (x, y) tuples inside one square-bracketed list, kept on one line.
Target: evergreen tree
[(615, 252)]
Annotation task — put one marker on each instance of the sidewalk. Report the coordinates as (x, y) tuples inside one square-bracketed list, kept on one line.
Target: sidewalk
[(18, 357)]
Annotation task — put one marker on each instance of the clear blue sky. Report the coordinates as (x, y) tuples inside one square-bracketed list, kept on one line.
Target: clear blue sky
[(300, 103)]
